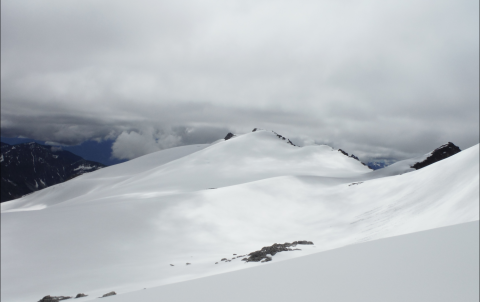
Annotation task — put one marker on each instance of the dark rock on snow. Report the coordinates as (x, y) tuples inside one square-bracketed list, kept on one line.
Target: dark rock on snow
[(80, 296), (229, 136), (109, 294), (261, 255), (438, 154), (284, 138), (353, 156), (54, 299)]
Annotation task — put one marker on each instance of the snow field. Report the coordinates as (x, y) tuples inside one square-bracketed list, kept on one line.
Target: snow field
[(438, 265), (121, 227)]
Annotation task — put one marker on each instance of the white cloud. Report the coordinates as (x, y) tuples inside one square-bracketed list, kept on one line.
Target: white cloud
[(129, 145)]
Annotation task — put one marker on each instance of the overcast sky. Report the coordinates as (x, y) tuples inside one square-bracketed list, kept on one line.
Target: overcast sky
[(389, 79)]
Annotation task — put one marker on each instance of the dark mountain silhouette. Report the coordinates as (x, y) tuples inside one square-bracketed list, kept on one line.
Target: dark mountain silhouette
[(30, 167), (438, 154)]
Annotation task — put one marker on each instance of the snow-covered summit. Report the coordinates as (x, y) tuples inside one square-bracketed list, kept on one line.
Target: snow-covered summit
[(249, 157)]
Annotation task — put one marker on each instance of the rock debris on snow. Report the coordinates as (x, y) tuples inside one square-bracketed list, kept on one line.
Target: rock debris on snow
[(109, 294), (266, 253), (80, 295), (54, 299)]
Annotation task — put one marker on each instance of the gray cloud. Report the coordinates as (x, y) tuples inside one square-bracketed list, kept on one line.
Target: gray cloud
[(132, 144), (383, 79)]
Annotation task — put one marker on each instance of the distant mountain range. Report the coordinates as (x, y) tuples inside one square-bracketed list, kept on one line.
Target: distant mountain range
[(31, 167), (98, 151), (380, 164)]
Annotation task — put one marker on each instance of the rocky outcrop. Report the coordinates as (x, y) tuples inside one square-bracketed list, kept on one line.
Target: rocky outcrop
[(279, 136), (352, 156), (80, 296), (438, 154), (109, 294), (285, 139), (54, 299), (229, 136), (266, 253)]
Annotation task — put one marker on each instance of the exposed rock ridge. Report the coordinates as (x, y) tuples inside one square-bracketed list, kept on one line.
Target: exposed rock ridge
[(354, 157), (438, 154), (284, 138), (279, 136), (54, 299), (266, 253), (229, 136)]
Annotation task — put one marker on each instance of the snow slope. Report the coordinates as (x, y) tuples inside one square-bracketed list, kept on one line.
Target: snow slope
[(121, 229), (98, 180), (438, 265), (246, 158)]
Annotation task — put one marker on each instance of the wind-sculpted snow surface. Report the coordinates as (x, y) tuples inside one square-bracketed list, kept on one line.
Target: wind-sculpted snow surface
[(123, 230)]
